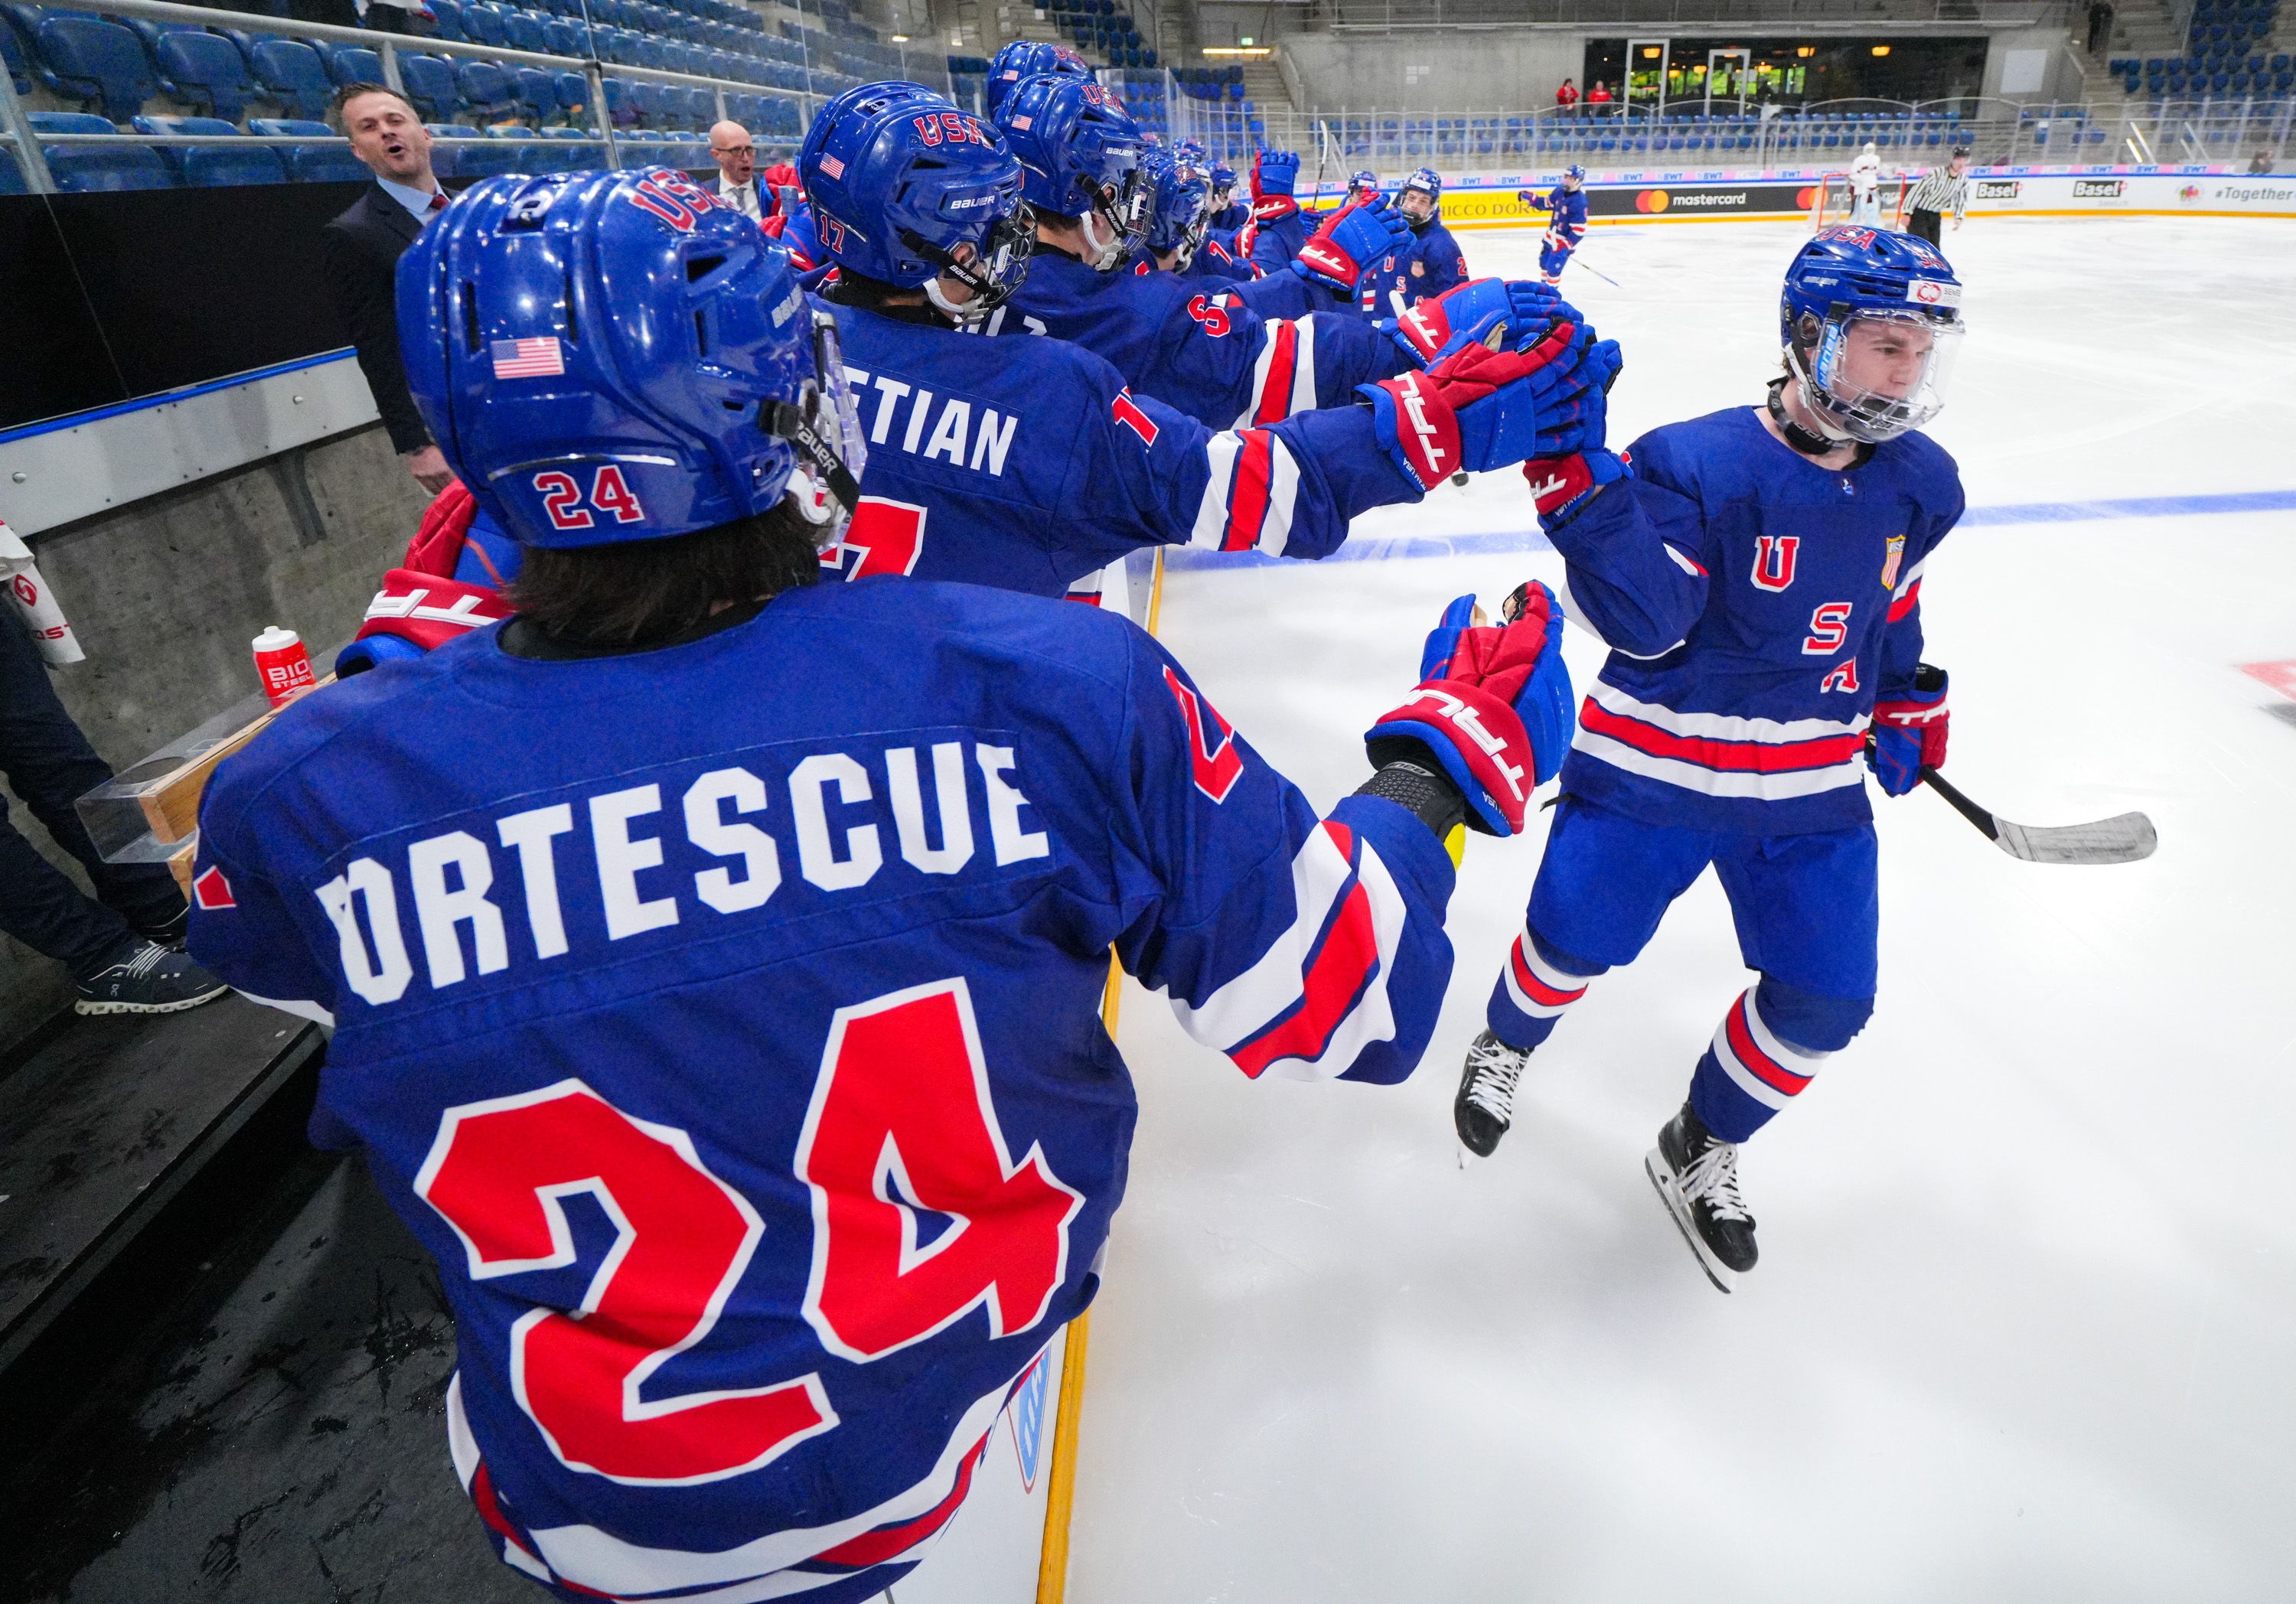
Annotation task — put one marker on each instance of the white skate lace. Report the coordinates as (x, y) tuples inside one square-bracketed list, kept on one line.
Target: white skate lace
[(1493, 1069), (1713, 1175)]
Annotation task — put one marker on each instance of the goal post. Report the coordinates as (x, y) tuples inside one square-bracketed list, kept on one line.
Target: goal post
[(1833, 200)]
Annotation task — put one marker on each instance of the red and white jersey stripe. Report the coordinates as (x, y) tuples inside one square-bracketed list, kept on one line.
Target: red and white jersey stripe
[(591, 1559), (1762, 1066), (1284, 378), (1537, 986), (1761, 760), (1317, 996), (1251, 496), (1908, 594)]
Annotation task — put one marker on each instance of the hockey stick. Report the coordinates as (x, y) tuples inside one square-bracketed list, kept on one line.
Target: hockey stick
[(1597, 272), (2123, 839)]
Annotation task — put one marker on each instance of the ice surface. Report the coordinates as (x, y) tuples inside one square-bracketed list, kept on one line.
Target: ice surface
[(2021, 1331)]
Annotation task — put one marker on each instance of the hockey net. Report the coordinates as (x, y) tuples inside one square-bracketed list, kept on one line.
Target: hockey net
[(1835, 201)]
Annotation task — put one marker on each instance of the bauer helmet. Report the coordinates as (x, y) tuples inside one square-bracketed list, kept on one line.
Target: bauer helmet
[(620, 356), (906, 187), (1362, 186), (1427, 182), (1871, 322), (1574, 172), (1222, 181), (1027, 59), (1080, 157), (1179, 213)]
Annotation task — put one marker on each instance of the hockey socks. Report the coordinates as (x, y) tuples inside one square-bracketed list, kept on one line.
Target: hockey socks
[(1752, 1068), (1538, 983)]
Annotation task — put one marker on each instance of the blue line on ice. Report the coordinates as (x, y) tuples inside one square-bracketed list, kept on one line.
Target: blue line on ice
[(1393, 548)]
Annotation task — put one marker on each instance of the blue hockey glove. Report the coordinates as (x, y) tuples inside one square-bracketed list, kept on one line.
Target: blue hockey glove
[(1274, 173), (1473, 713), (1354, 238), (1561, 486), (1476, 411), (1466, 314), (1909, 732)]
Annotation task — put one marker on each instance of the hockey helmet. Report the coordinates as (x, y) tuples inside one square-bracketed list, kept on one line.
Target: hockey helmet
[(1871, 322), (1027, 59), (1080, 154), (622, 357), (1180, 210), (1363, 185), (1423, 181), (1222, 181), (1574, 172), (905, 188)]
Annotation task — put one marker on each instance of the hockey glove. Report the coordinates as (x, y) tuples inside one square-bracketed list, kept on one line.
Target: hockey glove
[(1466, 314), (1909, 732), (1354, 238), (1485, 712), (1536, 202), (1273, 175), (1479, 410), (1562, 486)]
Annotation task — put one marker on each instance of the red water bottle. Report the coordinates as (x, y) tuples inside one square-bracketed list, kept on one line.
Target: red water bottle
[(282, 664)]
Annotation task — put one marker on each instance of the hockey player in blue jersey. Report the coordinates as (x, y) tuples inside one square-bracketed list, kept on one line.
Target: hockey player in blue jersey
[(1229, 210), (1566, 208), (1031, 466), (700, 938), (1222, 364), (1425, 265), (1029, 58), (1757, 574)]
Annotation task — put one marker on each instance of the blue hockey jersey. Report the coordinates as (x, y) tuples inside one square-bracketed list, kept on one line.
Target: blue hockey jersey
[(1755, 603), (1422, 270), (725, 1019), (1221, 258), (1276, 241), (1566, 211), (1174, 339), (1027, 464)]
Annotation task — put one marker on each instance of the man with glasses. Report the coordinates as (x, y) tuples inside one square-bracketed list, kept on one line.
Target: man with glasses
[(737, 165)]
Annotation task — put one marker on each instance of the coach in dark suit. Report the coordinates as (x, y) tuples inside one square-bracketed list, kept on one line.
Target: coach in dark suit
[(362, 249)]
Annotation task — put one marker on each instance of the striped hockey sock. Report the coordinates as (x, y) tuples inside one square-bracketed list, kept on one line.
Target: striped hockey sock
[(1533, 992), (1748, 1073)]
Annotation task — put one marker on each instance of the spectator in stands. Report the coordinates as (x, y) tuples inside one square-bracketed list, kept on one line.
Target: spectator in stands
[(1567, 96), (2100, 26), (401, 17), (120, 945), (2262, 164), (737, 169), (362, 249), (1599, 97)]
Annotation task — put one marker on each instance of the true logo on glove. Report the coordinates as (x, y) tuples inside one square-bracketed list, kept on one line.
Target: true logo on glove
[(1469, 721)]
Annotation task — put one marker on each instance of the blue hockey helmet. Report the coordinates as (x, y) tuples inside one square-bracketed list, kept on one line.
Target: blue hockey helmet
[(1081, 157), (1028, 59), (619, 356), (905, 188), (1423, 181), (1871, 322), (1574, 172), (1365, 182), (1222, 181), (1177, 213), (1190, 151)]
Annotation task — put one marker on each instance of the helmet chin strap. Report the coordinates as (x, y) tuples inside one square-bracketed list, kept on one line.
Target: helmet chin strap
[(1819, 442), (964, 312), (1107, 251)]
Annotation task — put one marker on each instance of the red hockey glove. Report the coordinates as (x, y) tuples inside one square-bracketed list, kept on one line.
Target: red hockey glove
[(1562, 486), (1469, 714), (1909, 732), (1342, 247), (1467, 313), (1478, 410)]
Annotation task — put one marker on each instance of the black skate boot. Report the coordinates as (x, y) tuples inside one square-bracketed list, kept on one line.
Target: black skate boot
[(1484, 1106), (145, 978), (1696, 1173)]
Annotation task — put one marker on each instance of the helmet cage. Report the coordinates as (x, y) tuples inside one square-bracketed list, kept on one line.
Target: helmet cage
[(997, 267), (1819, 357)]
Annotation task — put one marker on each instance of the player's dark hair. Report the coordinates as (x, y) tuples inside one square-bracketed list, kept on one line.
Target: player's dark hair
[(853, 289), (636, 593), (349, 92)]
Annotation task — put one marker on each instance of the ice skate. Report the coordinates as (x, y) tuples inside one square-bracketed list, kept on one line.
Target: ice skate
[(1484, 1106), (1696, 1173)]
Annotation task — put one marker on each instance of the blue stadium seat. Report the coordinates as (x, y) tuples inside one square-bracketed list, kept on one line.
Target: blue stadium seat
[(482, 23), (430, 85), (289, 72), (621, 109), (214, 166), (446, 160), (311, 163), (522, 31), (11, 181), (355, 64), (207, 72), (80, 169), (16, 50), (573, 91), (486, 89), (97, 63), (645, 101)]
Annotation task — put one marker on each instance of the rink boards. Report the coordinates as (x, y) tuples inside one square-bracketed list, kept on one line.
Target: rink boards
[(1482, 199)]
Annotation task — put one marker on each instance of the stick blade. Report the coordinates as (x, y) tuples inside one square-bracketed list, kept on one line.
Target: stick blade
[(2124, 839)]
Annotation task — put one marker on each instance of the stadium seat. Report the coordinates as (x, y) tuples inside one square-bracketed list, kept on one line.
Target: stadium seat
[(523, 31), (207, 72), (81, 169), (12, 180), (449, 15), (494, 158), (311, 163), (98, 63), (446, 159), (482, 23), (430, 84), (355, 64), (214, 166), (485, 90), (289, 73)]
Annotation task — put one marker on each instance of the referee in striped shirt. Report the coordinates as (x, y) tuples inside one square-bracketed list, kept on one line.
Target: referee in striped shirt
[(1941, 189)]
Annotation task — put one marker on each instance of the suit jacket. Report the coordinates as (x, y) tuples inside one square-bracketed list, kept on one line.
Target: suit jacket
[(724, 192), (361, 249)]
